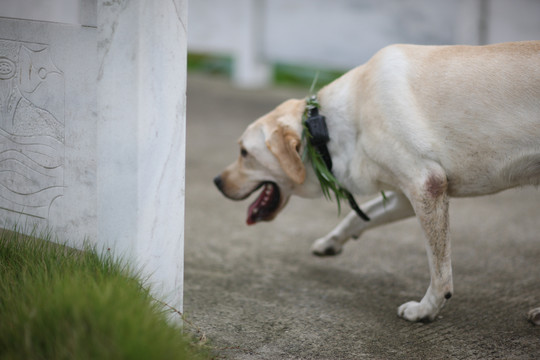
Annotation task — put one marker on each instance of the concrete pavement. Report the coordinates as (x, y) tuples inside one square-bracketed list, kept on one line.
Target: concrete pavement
[(258, 293)]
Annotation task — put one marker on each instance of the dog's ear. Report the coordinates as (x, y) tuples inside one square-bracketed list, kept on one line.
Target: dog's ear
[(285, 143)]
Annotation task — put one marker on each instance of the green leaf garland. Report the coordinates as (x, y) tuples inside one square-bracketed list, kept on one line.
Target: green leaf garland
[(328, 181)]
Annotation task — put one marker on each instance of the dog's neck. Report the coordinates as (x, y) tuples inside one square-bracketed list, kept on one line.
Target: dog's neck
[(343, 133), (317, 137)]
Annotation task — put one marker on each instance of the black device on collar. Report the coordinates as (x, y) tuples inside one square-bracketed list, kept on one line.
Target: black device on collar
[(316, 125)]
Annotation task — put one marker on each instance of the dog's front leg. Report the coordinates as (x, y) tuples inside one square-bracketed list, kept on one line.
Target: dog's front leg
[(381, 210), (431, 206)]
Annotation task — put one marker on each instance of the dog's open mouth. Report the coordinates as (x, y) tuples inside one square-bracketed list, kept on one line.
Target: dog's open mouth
[(266, 204)]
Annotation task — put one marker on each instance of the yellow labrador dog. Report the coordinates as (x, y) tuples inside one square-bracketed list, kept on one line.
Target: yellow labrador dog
[(421, 123)]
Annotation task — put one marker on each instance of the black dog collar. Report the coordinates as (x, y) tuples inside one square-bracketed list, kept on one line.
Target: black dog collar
[(319, 137)]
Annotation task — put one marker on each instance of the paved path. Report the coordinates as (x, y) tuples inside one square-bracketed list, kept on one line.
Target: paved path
[(258, 293)]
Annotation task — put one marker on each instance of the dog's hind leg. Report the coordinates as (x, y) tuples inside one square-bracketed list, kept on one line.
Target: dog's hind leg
[(534, 316), (430, 201), (381, 210)]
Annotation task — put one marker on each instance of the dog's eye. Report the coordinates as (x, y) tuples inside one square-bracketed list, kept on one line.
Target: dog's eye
[(243, 152)]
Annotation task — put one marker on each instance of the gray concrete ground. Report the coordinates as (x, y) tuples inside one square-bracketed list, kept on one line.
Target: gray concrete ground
[(257, 292)]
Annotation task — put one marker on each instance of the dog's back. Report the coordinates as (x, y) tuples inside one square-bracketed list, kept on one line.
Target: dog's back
[(477, 110)]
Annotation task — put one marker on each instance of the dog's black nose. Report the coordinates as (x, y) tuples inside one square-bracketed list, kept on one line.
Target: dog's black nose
[(218, 182)]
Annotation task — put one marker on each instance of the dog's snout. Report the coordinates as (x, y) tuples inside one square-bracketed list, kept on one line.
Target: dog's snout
[(219, 182)]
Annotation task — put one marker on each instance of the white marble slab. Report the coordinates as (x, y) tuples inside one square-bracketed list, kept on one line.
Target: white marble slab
[(58, 11), (48, 127), (92, 132)]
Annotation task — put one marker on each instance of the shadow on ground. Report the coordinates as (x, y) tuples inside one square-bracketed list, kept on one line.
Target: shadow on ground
[(258, 293)]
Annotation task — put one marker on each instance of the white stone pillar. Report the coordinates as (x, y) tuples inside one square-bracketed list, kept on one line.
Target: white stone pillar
[(141, 98)]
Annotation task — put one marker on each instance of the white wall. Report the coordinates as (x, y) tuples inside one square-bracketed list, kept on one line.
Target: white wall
[(345, 33), (513, 20), (341, 34)]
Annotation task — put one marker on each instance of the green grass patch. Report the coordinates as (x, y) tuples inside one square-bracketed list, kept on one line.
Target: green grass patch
[(60, 303), (210, 64), (283, 73), (302, 76)]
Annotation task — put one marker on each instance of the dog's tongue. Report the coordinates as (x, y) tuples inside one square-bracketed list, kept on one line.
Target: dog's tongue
[(263, 206)]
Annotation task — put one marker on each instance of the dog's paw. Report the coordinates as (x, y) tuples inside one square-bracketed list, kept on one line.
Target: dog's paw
[(326, 247), (534, 316), (417, 311)]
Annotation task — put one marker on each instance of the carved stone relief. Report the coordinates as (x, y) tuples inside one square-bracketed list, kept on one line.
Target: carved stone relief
[(31, 129)]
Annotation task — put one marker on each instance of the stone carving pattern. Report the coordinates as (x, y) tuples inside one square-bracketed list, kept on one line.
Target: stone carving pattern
[(31, 129)]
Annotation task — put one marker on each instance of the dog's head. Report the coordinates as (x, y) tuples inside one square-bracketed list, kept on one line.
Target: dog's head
[(270, 158)]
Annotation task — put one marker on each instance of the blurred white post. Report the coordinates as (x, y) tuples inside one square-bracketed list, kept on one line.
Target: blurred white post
[(250, 69), (469, 22), (141, 98)]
